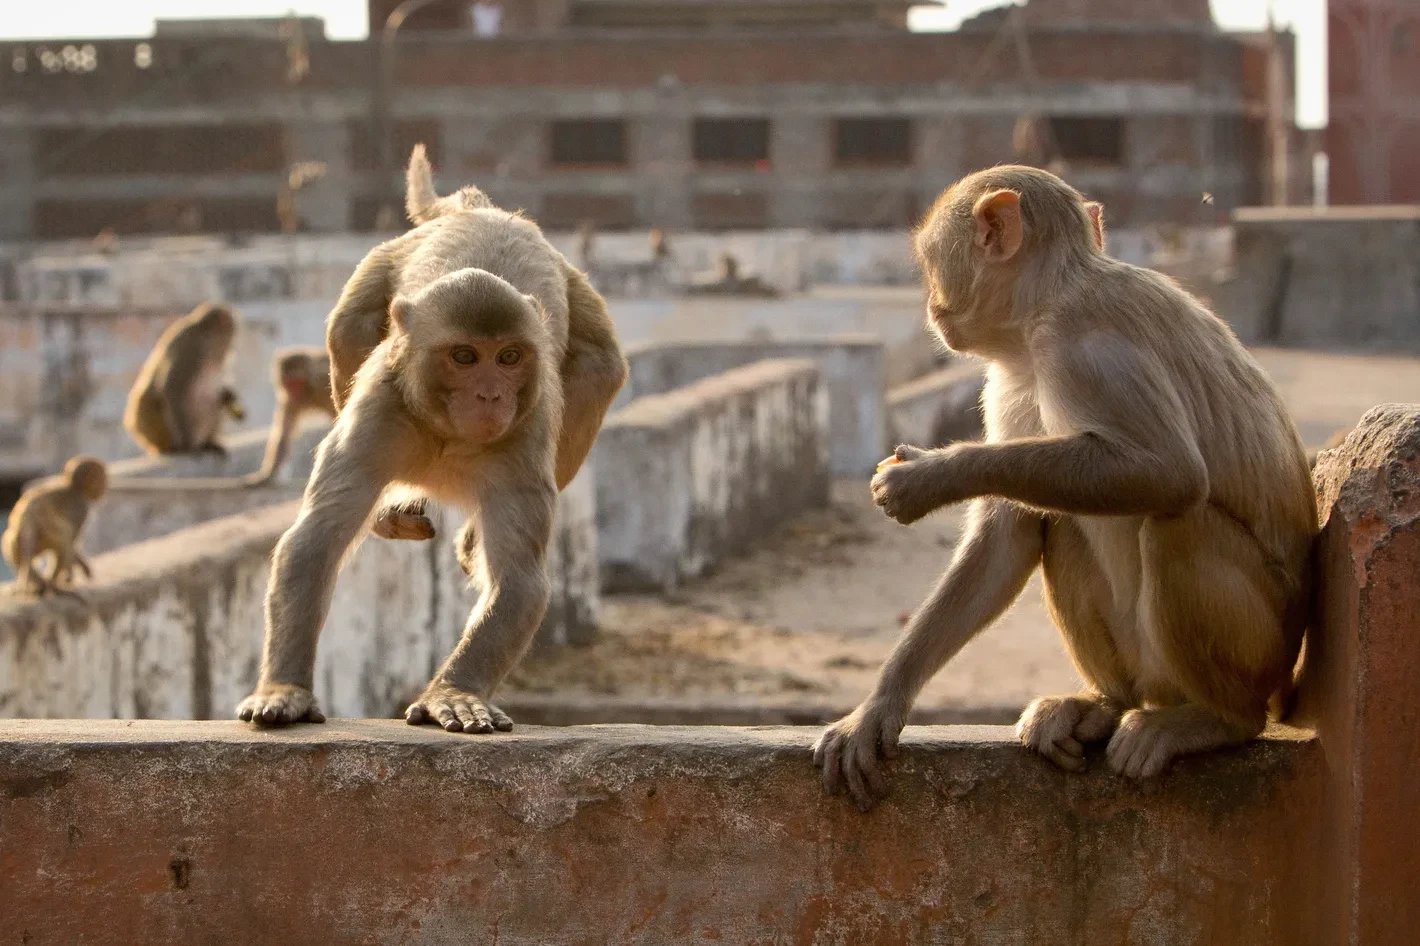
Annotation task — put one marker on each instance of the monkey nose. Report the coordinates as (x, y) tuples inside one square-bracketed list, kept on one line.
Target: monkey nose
[(490, 396)]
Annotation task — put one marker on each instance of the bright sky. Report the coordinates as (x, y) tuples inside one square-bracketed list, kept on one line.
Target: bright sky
[(345, 19)]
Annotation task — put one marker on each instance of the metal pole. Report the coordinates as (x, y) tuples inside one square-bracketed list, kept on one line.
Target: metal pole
[(384, 101)]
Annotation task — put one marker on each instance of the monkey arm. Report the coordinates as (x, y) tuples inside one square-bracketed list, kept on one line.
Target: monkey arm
[(358, 322), (1001, 546), (593, 371), (1135, 453)]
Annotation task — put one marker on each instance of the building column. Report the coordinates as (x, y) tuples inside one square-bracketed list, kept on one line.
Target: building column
[(661, 159), (324, 206), (17, 183), (800, 152)]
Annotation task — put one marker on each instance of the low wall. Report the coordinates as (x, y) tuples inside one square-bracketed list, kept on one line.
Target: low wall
[(171, 628), (129, 515), (1338, 275), (381, 833), (938, 408), (851, 367), (688, 478)]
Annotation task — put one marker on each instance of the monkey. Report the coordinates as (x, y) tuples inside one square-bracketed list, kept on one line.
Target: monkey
[(1137, 453), (465, 388), (301, 376), (593, 367), (177, 403), (48, 518)]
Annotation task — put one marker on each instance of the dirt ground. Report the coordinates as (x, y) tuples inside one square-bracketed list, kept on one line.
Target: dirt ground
[(812, 612)]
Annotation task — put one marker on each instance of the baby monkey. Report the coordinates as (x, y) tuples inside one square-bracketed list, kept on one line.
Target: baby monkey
[(48, 519), (1137, 453), (301, 375)]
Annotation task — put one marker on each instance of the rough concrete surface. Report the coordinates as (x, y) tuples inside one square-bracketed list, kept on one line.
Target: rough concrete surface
[(689, 478), (377, 832)]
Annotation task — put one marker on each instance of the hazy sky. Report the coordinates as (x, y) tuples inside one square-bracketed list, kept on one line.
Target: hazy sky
[(345, 19)]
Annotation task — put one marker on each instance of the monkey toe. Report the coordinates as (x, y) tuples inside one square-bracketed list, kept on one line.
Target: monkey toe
[(1049, 727), (279, 706), (457, 711), (1141, 747)]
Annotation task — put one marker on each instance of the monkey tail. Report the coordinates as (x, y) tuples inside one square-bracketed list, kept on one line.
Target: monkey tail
[(420, 197)]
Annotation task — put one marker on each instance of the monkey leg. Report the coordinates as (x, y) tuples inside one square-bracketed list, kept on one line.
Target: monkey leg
[(1058, 727), (348, 478), (1214, 614), (515, 528)]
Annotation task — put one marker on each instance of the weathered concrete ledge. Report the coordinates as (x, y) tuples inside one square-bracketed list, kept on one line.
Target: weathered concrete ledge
[(147, 510), (377, 832), (852, 368), (938, 408), (688, 478), (171, 628)]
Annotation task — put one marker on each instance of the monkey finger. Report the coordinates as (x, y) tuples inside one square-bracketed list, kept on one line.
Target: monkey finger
[(314, 715), (1071, 746), (445, 716), (854, 777), (877, 782), (907, 453), (888, 739), (501, 720), (832, 773), (474, 717)]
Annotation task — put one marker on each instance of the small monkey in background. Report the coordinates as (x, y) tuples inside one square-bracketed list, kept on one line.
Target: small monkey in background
[(472, 364), (302, 379), (1134, 450), (179, 399), (48, 519)]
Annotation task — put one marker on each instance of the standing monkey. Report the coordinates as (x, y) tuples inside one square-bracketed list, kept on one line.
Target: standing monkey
[(177, 403), (302, 379), (48, 518), (470, 363), (1134, 450)]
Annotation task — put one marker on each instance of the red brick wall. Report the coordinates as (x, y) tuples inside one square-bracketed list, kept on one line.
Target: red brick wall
[(1374, 135)]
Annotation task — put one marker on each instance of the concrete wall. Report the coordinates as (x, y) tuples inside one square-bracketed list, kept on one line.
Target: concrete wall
[(851, 368), (937, 408), (1347, 276), (687, 478), (172, 627), (122, 833)]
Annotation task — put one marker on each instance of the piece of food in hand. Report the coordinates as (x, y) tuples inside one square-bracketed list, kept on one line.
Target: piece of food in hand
[(890, 461)]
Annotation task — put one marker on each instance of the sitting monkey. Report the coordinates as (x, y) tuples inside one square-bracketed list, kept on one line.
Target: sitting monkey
[(177, 403), (302, 379), (48, 519), (1137, 453), (470, 362)]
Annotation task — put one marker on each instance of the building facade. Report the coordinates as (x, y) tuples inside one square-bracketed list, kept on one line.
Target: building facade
[(1373, 137), (724, 114)]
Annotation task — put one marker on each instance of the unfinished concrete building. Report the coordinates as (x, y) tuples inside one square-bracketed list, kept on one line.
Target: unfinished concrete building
[(684, 114)]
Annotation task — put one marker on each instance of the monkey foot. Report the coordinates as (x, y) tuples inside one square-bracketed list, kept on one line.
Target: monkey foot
[(276, 704), (394, 523), (1058, 727), (457, 711)]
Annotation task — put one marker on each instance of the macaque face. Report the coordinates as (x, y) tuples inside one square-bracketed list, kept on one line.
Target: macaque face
[(482, 381)]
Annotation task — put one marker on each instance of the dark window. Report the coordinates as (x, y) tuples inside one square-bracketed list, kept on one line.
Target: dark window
[(1089, 140), (881, 141), (161, 149), (731, 140), (404, 136), (605, 211), (65, 219), (730, 211), (589, 142)]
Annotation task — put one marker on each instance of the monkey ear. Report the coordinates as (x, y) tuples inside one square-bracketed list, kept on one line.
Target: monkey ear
[(1096, 212), (998, 225), (537, 306), (400, 308)]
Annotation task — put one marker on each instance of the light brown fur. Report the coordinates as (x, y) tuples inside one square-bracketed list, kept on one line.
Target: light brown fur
[(178, 401), (454, 230), (439, 408), (1137, 453), (48, 519)]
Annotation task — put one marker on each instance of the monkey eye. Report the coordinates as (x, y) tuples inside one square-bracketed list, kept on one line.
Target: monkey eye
[(464, 355), (509, 356)]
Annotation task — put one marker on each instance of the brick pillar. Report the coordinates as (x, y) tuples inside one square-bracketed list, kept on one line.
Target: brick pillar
[(1362, 684), (800, 150), (17, 184), (660, 153)]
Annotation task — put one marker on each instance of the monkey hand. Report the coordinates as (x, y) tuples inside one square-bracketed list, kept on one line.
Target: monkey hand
[(908, 485), (456, 710), (847, 753), (276, 704)]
